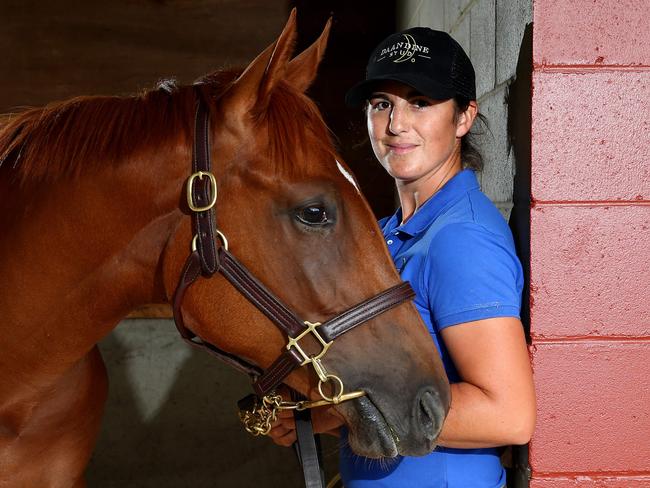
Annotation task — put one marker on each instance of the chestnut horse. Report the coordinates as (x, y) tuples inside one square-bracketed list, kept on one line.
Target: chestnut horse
[(94, 223)]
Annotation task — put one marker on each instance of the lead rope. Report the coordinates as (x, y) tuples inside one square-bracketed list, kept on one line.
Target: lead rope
[(307, 448)]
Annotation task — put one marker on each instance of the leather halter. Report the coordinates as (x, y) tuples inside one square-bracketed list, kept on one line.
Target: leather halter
[(210, 255)]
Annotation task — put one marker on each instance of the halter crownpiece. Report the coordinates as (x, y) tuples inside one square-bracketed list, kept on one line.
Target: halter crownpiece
[(210, 254)]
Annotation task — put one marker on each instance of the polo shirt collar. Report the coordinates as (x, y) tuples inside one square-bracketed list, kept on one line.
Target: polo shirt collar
[(454, 189)]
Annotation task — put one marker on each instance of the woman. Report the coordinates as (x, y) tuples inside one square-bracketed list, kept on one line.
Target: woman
[(450, 242)]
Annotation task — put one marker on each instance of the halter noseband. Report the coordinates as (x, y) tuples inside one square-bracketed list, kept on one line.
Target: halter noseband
[(210, 254)]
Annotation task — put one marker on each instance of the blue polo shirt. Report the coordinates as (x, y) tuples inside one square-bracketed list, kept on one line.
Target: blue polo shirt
[(458, 254)]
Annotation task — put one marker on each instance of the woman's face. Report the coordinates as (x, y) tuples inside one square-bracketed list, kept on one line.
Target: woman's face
[(414, 136)]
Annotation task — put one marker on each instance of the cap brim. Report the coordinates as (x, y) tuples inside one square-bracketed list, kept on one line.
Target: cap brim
[(360, 92)]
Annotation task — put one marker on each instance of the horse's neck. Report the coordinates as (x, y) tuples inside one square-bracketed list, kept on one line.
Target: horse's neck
[(78, 257)]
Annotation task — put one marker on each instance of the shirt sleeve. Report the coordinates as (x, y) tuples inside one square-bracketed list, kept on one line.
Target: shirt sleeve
[(471, 274)]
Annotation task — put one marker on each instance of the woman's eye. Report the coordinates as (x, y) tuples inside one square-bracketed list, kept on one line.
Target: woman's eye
[(312, 215), (379, 104)]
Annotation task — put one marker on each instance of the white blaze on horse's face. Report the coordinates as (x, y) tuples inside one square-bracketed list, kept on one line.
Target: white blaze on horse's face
[(347, 175)]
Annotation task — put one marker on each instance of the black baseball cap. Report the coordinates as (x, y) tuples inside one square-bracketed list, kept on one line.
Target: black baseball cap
[(428, 60)]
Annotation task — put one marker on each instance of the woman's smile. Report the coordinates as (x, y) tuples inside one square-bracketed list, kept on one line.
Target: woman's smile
[(400, 148)]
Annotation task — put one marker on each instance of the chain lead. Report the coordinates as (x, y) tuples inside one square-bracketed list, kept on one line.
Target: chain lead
[(258, 419)]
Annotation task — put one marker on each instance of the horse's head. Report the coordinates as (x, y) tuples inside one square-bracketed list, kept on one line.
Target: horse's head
[(295, 217)]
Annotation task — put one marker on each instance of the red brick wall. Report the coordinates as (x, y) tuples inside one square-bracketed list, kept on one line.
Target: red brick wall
[(590, 243)]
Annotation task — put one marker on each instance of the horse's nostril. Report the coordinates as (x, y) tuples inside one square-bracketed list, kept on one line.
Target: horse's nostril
[(430, 414)]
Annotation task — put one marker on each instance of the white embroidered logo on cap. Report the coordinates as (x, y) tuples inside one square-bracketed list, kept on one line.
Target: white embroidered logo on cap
[(405, 50)]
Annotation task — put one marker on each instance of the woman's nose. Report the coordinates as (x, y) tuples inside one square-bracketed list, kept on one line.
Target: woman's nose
[(398, 122)]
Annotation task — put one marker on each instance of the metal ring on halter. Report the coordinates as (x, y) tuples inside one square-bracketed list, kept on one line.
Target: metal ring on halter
[(224, 241), (220, 235), (335, 398)]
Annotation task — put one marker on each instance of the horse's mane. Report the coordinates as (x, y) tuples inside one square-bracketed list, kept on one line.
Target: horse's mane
[(62, 138)]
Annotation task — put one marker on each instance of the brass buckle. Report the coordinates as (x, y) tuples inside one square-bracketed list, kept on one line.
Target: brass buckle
[(213, 191), (293, 342)]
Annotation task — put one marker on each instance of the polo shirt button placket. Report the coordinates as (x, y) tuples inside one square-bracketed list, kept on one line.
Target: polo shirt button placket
[(393, 241)]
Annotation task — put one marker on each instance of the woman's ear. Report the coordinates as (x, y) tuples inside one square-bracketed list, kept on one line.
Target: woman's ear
[(466, 118)]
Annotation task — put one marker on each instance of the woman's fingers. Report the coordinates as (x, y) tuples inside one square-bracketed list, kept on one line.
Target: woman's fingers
[(283, 430), (285, 414), (284, 439)]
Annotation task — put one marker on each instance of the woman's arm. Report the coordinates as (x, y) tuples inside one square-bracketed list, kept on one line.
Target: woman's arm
[(494, 404)]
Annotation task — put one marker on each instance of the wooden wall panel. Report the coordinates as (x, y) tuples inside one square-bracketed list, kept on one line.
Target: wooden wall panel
[(55, 50)]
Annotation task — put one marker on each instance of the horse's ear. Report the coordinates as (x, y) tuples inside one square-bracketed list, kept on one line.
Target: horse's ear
[(302, 69), (253, 87)]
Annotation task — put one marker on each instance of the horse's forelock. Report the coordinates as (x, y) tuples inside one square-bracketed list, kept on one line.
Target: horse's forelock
[(296, 128)]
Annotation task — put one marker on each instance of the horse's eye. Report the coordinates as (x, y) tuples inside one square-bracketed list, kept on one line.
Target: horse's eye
[(312, 215)]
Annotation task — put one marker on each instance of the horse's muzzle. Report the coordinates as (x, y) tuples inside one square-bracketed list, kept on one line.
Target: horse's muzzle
[(382, 432), (429, 414)]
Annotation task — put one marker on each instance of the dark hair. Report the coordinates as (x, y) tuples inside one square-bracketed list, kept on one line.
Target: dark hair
[(471, 157)]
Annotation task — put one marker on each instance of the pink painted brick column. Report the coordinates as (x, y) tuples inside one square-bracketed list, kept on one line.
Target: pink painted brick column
[(590, 243)]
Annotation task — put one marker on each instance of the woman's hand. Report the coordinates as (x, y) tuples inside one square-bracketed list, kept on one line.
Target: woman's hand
[(283, 430), (325, 420)]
